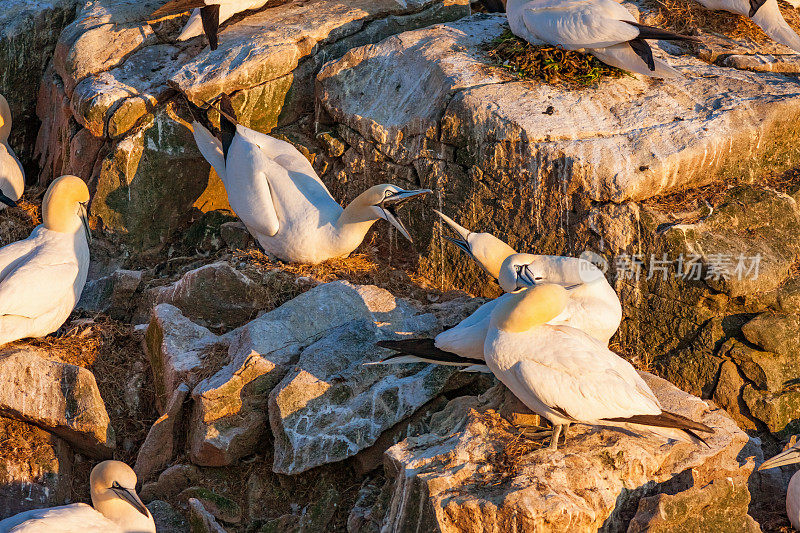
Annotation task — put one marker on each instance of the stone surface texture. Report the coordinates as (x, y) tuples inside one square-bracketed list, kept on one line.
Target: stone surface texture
[(462, 477), (60, 398)]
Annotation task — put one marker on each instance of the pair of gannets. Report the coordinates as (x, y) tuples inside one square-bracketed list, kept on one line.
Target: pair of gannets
[(116, 508), (592, 305), (790, 455), (12, 177), (206, 16), (42, 277), (278, 196)]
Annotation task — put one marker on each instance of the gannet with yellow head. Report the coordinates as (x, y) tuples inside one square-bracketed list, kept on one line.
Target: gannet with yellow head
[(568, 376), (116, 508), (42, 277), (12, 176), (278, 196)]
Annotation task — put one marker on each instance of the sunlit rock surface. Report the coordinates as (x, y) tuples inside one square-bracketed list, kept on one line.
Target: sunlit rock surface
[(465, 475), (57, 397), (29, 30), (103, 100)]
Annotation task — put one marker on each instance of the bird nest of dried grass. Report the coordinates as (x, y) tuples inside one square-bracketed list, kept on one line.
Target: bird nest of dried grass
[(549, 64), (689, 17)]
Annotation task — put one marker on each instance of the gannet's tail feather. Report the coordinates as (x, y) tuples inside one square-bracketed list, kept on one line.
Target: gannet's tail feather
[(665, 424), (623, 56), (769, 18)]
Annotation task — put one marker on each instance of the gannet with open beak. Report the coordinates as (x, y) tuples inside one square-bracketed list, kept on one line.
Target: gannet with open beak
[(12, 176), (790, 455), (567, 376), (207, 15), (278, 196), (592, 307), (117, 508), (603, 28), (42, 277)]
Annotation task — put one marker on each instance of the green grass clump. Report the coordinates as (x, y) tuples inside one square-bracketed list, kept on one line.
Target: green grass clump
[(549, 64)]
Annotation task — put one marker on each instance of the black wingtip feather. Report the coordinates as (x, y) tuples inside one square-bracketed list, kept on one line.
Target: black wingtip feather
[(669, 420), (651, 32), (210, 18), (425, 349), (644, 51)]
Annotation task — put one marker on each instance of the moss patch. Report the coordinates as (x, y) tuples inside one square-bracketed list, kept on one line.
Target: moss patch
[(549, 64)]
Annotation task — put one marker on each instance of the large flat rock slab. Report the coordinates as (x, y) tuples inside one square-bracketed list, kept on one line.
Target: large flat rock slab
[(102, 103), (57, 397), (469, 474)]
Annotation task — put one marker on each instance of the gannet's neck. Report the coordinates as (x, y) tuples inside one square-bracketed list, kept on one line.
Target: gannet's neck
[(120, 512), (354, 223)]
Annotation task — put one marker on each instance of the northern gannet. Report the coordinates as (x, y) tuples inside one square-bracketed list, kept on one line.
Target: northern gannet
[(603, 28), (42, 277), (12, 177), (207, 15), (117, 508), (567, 376), (789, 455), (593, 305), (278, 196)]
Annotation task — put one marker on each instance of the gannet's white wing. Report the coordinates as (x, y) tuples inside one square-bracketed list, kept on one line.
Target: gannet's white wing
[(574, 374), (282, 152), (577, 24), (32, 286), (193, 28), (12, 254), (770, 19), (622, 56), (75, 518), (251, 196), (468, 337)]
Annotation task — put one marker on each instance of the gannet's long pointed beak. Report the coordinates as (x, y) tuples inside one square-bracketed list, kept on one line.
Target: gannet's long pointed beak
[(389, 208), (131, 498), (463, 233), (3, 198), (85, 221), (787, 457), (177, 6)]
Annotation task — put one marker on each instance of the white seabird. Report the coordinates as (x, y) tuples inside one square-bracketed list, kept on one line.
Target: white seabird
[(207, 15), (117, 508), (567, 376), (603, 28), (789, 455), (12, 176), (278, 196), (592, 307), (42, 277)]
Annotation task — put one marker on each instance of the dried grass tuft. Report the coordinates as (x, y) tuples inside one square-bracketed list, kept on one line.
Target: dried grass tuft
[(689, 17), (513, 446), (549, 64), (16, 223)]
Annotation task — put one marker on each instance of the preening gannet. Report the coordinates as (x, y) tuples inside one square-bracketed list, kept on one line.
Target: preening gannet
[(117, 508), (766, 15), (593, 305), (566, 376), (278, 196), (790, 455), (42, 277), (206, 16), (603, 28), (12, 177)]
